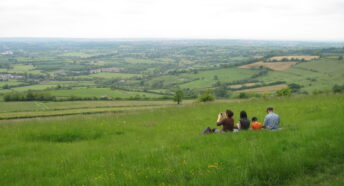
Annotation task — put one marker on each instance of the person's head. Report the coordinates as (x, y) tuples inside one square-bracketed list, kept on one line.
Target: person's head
[(254, 119), (243, 114), (269, 109), (229, 113)]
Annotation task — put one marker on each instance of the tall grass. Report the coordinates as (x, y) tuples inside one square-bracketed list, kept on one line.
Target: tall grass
[(162, 147)]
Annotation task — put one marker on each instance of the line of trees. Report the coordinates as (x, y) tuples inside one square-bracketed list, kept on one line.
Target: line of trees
[(29, 96)]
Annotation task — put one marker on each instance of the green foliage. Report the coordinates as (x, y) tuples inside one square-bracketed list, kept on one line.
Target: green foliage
[(338, 88), (294, 87), (29, 96), (221, 91), (206, 96), (6, 86), (284, 92), (243, 95), (340, 58), (178, 97)]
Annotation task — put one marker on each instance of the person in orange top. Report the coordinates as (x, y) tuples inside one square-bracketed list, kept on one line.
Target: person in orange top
[(255, 124)]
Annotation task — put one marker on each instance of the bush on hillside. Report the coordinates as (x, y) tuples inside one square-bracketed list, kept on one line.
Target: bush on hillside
[(294, 87), (243, 95), (206, 96), (221, 91), (284, 92), (338, 88)]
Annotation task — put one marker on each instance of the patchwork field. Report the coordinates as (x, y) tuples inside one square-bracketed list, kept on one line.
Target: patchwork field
[(270, 89), (278, 66), (163, 147)]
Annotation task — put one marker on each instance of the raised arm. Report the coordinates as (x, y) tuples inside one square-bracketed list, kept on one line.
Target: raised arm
[(219, 121)]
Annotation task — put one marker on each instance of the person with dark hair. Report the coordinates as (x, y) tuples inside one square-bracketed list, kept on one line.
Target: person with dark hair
[(224, 119), (244, 123), (271, 120), (227, 122), (255, 124)]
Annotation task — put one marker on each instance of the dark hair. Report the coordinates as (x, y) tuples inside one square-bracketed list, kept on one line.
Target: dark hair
[(254, 119), (243, 114), (269, 109), (229, 113)]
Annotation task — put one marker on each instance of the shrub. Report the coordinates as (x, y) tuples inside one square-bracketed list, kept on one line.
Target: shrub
[(221, 91), (338, 88), (206, 96), (295, 87), (243, 95), (284, 92)]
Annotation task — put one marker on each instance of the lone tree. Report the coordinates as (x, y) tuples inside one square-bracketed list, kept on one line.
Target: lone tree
[(340, 58), (178, 97)]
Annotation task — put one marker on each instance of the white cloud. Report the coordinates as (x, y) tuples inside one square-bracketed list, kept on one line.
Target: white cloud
[(245, 19)]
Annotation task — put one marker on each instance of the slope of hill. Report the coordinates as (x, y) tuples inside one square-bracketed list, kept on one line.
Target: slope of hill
[(162, 147)]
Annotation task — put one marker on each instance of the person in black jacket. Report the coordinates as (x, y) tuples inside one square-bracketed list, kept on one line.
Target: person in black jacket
[(244, 123)]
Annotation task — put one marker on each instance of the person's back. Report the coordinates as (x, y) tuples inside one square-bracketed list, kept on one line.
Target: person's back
[(244, 122), (227, 123), (271, 120)]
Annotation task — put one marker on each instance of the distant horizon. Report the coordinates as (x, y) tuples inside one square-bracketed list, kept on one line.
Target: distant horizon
[(175, 38)]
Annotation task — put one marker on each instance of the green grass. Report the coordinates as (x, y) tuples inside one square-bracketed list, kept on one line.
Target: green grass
[(9, 82), (98, 92), (206, 78), (30, 69), (6, 107), (162, 147), (226, 74), (109, 75)]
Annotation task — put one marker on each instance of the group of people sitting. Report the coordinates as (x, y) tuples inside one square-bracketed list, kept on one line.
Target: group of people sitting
[(271, 122)]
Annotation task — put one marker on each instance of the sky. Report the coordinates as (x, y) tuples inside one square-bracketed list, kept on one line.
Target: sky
[(195, 19)]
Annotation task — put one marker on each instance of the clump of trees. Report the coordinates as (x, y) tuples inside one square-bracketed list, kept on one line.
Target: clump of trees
[(221, 91), (29, 96), (284, 92), (338, 88), (294, 87), (206, 96)]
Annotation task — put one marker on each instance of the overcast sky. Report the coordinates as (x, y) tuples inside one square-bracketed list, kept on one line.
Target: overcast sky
[(231, 19)]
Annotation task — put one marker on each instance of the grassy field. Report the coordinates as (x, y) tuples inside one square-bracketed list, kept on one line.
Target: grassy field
[(109, 75), (270, 89), (98, 92), (207, 78), (21, 69), (162, 147), (12, 110)]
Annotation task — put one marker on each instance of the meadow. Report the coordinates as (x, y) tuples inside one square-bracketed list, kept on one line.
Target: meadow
[(163, 146)]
